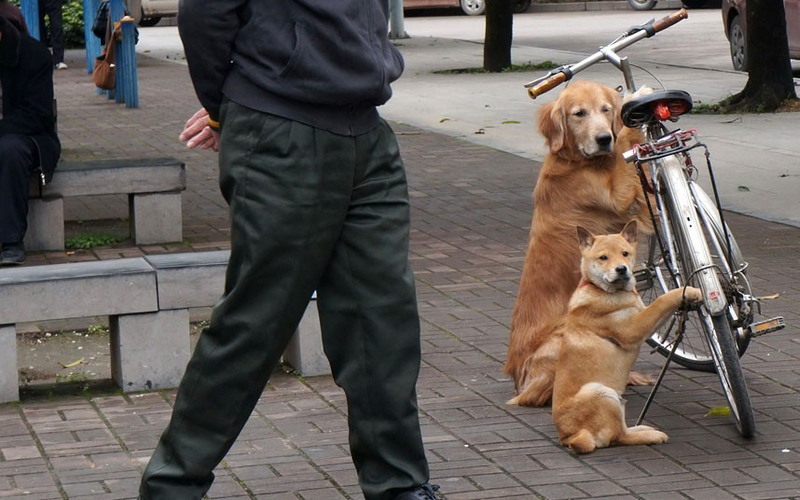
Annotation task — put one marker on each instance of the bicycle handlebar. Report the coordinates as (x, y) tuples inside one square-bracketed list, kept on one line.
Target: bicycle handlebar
[(558, 76)]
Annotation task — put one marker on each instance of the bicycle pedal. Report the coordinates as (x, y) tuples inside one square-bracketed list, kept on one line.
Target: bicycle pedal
[(767, 326)]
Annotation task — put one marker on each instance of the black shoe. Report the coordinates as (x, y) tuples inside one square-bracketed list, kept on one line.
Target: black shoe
[(12, 254), (425, 492)]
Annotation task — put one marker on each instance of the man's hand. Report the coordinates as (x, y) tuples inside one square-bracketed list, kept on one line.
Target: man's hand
[(198, 134)]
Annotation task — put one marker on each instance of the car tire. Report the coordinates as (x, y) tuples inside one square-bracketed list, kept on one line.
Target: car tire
[(473, 7), (738, 43), (146, 22), (642, 4), (521, 6)]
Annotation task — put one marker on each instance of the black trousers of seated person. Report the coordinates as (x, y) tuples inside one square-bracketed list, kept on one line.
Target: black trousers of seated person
[(17, 154), (310, 210)]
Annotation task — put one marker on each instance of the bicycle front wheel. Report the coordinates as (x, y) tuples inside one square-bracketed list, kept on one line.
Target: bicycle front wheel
[(687, 256)]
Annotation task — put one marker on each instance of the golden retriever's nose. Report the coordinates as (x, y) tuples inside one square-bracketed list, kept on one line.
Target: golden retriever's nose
[(603, 140)]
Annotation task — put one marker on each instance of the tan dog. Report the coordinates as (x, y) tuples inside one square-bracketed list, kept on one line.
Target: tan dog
[(604, 327), (583, 182)]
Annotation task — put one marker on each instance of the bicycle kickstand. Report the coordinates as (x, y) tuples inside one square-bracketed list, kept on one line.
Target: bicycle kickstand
[(663, 372)]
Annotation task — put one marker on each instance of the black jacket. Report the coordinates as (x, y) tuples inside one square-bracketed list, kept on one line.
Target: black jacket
[(26, 74), (327, 63)]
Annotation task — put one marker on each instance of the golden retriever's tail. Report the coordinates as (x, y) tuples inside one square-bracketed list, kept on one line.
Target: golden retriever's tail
[(538, 376)]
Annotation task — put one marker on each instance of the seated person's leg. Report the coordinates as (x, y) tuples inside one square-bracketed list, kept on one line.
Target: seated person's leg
[(16, 165)]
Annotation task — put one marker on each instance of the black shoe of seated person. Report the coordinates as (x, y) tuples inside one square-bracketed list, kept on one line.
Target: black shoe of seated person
[(425, 492), (12, 254)]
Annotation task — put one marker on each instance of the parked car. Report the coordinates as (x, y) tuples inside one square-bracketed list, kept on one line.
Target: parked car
[(649, 4), (149, 12), (734, 19), (470, 7)]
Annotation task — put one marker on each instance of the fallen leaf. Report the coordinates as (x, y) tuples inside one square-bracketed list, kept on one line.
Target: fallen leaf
[(718, 411), (73, 364)]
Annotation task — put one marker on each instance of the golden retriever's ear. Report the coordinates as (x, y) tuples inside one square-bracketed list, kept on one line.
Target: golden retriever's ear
[(617, 124), (552, 126), (629, 232), (585, 238)]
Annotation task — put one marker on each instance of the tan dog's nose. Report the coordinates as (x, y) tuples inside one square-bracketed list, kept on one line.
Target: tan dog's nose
[(621, 270)]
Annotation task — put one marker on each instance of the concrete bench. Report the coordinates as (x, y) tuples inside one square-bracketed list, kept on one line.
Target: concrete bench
[(147, 301), (153, 186)]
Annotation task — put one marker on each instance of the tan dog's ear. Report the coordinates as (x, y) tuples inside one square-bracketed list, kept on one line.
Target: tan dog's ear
[(585, 238), (552, 126), (630, 233)]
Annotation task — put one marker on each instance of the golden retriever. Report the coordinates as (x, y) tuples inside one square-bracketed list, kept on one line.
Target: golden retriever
[(603, 329), (584, 181)]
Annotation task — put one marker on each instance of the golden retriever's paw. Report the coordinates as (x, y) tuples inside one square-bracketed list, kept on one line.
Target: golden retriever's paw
[(639, 93), (693, 295), (636, 378)]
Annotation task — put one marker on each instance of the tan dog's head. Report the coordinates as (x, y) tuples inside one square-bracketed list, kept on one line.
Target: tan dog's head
[(583, 121), (607, 261)]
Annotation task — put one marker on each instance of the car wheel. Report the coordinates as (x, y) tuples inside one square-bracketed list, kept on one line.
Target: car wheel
[(738, 42), (149, 21), (642, 4), (473, 7), (521, 6)]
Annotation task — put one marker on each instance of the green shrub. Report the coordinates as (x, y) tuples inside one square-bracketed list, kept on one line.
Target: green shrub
[(73, 24)]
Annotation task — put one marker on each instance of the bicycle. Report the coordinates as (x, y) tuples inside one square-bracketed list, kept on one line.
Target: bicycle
[(691, 243)]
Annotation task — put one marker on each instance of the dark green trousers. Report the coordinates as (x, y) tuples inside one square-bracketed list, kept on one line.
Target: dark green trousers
[(310, 210)]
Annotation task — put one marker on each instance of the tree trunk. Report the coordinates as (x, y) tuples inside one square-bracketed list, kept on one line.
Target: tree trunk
[(499, 31), (769, 81)]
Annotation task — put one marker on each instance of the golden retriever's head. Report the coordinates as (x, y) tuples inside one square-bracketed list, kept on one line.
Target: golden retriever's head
[(583, 121)]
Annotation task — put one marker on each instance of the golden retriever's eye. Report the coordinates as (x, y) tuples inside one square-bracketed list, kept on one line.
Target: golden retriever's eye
[(606, 109), (580, 113), (603, 257)]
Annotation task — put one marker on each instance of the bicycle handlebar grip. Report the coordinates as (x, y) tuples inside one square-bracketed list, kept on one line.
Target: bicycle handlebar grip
[(547, 85), (666, 22)]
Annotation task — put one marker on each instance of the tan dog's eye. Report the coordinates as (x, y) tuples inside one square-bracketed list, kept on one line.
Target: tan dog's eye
[(625, 254), (603, 257)]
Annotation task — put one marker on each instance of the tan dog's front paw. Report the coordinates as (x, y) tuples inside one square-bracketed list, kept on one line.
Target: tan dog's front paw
[(693, 295)]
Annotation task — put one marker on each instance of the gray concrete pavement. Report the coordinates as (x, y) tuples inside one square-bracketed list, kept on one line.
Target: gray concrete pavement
[(471, 212), (756, 155)]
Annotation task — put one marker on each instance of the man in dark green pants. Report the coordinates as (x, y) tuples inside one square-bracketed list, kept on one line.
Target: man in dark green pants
[(319, 201)]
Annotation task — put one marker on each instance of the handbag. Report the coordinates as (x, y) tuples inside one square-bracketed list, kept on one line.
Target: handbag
[(104, 73), (101, 21)]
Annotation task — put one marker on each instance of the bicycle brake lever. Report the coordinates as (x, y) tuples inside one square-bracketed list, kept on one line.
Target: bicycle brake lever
[(639, 27), (561, 69)]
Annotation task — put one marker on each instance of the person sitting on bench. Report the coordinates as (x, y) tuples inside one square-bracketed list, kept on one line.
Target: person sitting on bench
[(28, 142)]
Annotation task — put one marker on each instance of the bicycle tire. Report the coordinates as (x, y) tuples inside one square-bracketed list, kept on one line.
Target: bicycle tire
[(731, 375), (694, 352)]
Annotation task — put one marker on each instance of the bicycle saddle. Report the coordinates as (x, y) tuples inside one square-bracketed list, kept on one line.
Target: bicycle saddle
[(659, 105)]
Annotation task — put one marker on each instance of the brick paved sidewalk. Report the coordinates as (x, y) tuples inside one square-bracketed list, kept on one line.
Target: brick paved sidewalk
[(471, 211)]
